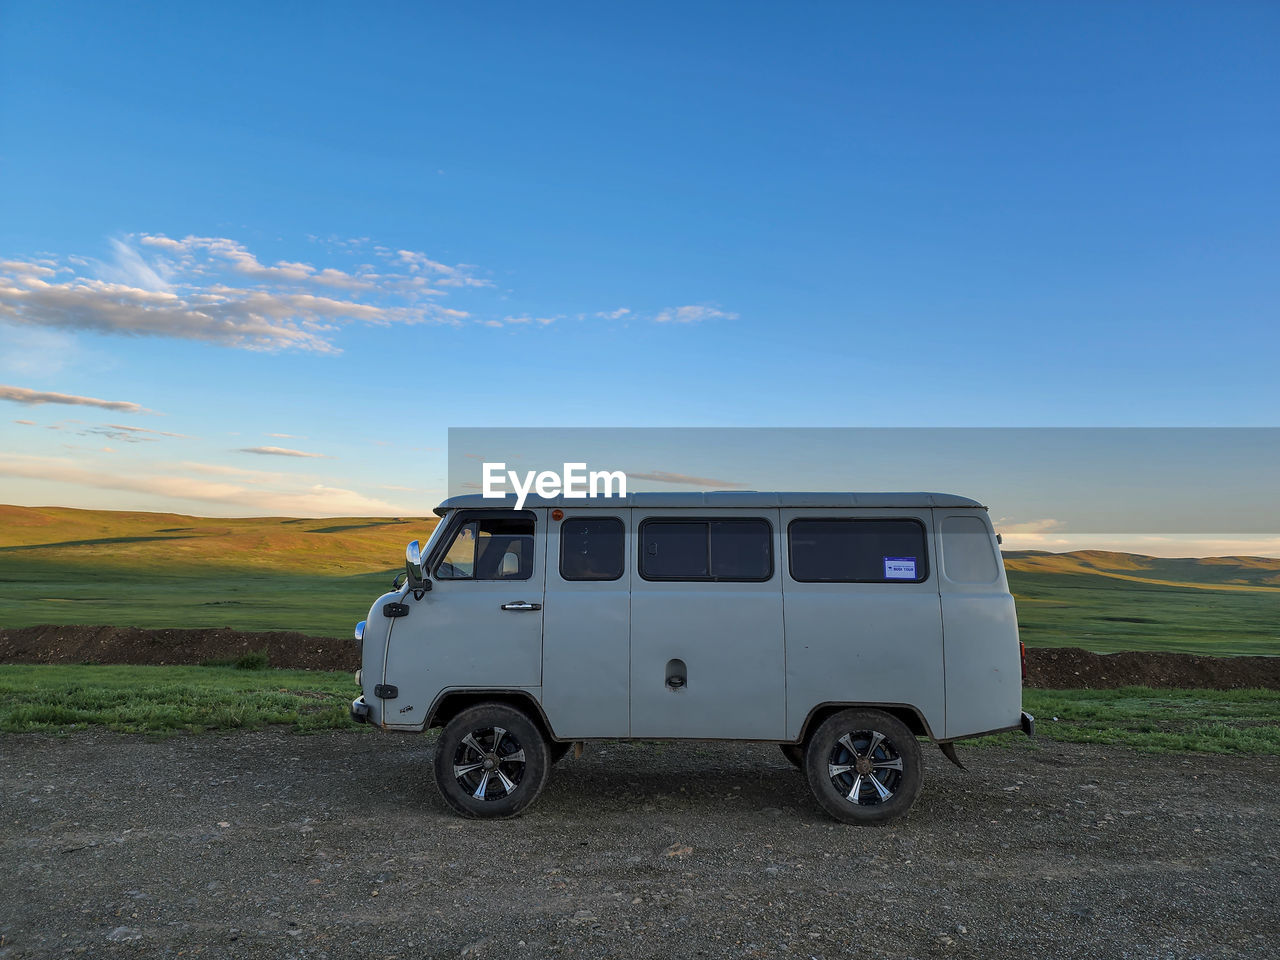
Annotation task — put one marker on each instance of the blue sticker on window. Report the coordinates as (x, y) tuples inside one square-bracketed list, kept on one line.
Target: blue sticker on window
[(900, 568)]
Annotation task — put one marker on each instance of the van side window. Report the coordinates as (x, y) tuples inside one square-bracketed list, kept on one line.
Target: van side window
[(592, 548), (732, 550), (858, 551), (967, 554), (489, 549)]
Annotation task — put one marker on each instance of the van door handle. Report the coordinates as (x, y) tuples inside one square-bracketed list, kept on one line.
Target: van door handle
[(521, 605)]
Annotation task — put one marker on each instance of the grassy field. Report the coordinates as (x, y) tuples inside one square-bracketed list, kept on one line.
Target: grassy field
[(164, 700), (167, 700), (1107, 601), (59, 565), (1209, 721)]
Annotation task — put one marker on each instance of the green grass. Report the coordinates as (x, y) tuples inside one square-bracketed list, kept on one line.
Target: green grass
[(256, 660), (41, 591), (1160, 721), (165, 700), (1105, 615)]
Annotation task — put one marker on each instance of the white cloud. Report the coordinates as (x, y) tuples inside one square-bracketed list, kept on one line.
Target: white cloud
[(165, 243), (35, 397), (693, 314), (310, 499), (445, 275), (215, 289), (286, 436), (118, 431), (1043, 534), (131, 270), (23, 268), (1029, 526), (224, 470), (284, 452)]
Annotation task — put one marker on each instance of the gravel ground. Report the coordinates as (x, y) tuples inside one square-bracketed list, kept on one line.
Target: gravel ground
[(336, 845)]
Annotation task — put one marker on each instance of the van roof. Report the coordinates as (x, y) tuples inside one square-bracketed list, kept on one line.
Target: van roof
[(740, 499)]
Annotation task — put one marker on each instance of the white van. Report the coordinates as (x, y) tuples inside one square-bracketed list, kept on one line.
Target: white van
[(842, 626)]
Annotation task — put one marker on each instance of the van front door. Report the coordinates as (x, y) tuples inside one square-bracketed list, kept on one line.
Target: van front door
[(706, 626), (481, 623), (586, 652)]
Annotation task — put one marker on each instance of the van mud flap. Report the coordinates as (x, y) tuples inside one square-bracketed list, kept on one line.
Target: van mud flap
[(949, 751)]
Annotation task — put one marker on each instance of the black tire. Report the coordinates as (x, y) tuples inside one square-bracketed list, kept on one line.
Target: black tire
[(558, 751), (793, 752), (491, 761), (884, 766)]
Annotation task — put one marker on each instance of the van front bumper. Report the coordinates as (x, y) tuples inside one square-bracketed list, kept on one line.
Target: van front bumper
[(1028, 724), (360, 710)]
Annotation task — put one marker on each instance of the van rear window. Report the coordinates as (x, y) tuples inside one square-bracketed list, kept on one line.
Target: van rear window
[(592, 548), (728, 550), (858, 551)]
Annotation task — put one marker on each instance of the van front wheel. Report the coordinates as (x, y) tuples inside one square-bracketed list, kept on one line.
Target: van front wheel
[(863, 766), (491, 761)]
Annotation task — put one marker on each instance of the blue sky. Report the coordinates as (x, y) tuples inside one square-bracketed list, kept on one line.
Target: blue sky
[(818, 215)]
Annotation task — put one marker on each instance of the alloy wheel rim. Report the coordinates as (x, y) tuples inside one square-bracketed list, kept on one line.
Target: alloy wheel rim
[(865, 767), (489, 763)]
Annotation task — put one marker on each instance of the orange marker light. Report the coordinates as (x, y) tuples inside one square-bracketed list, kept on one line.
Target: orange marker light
[(557, 514)]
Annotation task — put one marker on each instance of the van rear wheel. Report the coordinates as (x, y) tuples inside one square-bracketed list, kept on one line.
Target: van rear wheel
[(491, 761), (864, 766)]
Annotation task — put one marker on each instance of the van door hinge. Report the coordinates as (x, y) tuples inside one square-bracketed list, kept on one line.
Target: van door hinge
[(386, 691), (395, 610)]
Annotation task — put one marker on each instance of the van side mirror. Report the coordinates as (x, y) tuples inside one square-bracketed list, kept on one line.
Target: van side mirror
[(413, 566)]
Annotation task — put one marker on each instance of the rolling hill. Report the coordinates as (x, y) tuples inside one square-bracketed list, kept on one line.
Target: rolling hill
[(64, 565), (162, 541), (1206, 573)]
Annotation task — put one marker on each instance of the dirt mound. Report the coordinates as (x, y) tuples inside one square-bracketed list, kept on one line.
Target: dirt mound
[(1065, 668), (89, 644), (1052, 667)]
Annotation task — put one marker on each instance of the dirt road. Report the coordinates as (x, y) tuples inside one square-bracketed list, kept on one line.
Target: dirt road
[(273, 845)]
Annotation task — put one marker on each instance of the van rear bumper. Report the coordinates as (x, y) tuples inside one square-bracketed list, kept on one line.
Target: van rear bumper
[(1028, 724), (360, 710)]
